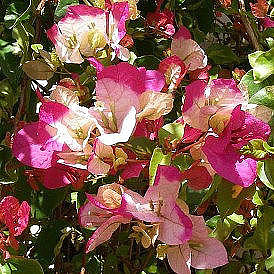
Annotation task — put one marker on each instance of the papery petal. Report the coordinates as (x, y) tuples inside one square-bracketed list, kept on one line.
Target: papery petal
[(105, 231), (52, 112), (132, 170), (64, 96), (178, 258), (191, 134), (29, 145), (90, 215), (97, 166), (102, 150), (96, 64), (153, 79), (229, 163), (127, 128), (190, 52), (120, 12), (194, 101), (154, 105), (139, 207), (198, 177), (174, 70), (226, 93), (84, 12), (166, 184), (177, 226), (212, 254), (182, 32), (14, 215), (139, 80), (23, 218), (116, 97), (57, 177)]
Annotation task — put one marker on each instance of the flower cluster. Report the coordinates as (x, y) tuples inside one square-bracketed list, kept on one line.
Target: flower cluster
[(76, 139)]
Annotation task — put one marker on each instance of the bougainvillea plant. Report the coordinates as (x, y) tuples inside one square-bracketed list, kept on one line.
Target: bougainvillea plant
[(136, 136)]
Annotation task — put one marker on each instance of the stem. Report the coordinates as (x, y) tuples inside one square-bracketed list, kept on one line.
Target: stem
[(249, 29)]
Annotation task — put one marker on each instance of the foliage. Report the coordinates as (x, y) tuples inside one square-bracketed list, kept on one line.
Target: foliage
[(136, 136)]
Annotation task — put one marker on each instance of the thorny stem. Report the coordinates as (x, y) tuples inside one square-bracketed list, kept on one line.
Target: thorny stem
[(252, 35)]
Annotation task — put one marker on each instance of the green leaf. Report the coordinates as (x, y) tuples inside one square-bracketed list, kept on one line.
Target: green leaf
[(227, 202), (46, 200), (172, 131), (263, 237), (268, 148), (263, 177), (255, 148), (21, 35), (232, 267), (247, 83), (253, 56), (223, 228), (38, 70), (20, 265), (222, 54), (158, 158), (239, 219), (141, 145), (264, 97), (182, 161), (216, 181), (262, 63), (46, 241), (62, 6), (8, 97), (269, 262), (256, 199), (147, 61)]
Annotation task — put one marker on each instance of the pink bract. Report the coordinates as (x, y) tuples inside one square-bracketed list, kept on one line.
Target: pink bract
[(34, 145), (203, 101), (188, 50), (73, 36), (223, 151), (125, 94), (201, 252)]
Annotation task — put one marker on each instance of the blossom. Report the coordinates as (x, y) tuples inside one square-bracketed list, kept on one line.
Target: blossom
[(100, 211), (200, 252), (86, 30), (124, 95), (116, 204), (260, 8), (188, 50), (204, 101), (159, 205), (222, 151), (103, 158)]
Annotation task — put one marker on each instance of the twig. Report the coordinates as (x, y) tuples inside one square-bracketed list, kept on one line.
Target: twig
[(249, 29)]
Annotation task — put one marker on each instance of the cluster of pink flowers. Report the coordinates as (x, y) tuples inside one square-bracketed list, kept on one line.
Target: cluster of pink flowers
[(70, 141)]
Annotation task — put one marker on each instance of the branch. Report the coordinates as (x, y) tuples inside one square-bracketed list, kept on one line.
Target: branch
[(252, 35)]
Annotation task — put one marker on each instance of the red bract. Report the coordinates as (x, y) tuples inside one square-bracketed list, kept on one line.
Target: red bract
[(259, 9), (198, 177), (161, 22), (174, 70), (14, 215)]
